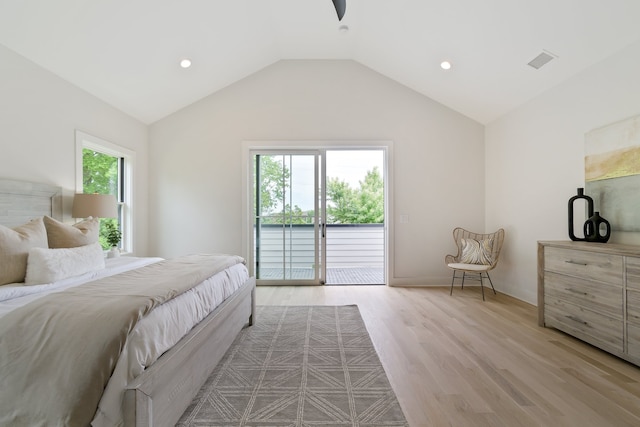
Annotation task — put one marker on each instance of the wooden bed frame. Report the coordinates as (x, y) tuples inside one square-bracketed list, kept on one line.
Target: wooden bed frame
[(160, 395), (21, 201)]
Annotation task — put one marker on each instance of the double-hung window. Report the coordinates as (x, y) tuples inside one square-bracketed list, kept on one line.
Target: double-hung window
[(106, 168)]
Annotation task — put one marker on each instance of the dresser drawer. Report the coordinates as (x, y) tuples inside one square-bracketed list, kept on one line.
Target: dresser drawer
[(633, 341), (592, 291), (633, 273), (633, 307), (600, 330), (583, 264), (600, 297)]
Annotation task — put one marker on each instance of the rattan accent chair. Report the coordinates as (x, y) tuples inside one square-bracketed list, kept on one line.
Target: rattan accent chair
[(477, 255)]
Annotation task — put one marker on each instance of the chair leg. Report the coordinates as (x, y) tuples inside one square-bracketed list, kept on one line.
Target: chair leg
[(464, 274), (494, 289), (452, 280)]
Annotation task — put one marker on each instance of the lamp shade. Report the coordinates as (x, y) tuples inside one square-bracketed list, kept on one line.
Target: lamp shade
[(95, 205)]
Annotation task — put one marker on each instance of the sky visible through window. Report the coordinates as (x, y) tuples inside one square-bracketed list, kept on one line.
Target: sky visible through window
[(350, 166)]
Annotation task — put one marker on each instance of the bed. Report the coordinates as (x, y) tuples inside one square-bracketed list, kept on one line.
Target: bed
[(152, 390)]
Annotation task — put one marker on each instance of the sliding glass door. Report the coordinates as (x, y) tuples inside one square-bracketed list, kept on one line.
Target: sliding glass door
[(317, 215), (288, 221)]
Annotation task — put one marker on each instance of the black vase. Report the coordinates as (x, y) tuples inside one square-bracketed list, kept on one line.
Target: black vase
[(589, 202), (592, 231)]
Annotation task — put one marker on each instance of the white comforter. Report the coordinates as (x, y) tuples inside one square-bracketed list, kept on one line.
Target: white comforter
[(18, 294), (153, 335)]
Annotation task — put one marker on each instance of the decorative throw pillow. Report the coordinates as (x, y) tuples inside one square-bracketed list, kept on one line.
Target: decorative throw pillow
[(62, 235), (476, 252), (15, 244), (51, 265)]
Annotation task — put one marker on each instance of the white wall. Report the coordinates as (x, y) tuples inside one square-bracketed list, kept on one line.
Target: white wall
[(534, 154), (39, 113), (535, 161), (438, 158)]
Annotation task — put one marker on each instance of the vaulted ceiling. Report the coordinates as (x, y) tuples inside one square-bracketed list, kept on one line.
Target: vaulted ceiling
[(127, 52)]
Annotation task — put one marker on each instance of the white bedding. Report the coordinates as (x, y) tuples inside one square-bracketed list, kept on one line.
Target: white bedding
[(18, 294), (152, 336)]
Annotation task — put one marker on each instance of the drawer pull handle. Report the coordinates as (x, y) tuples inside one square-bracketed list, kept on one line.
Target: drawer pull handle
[(575, 262), (575, 319), (576, 291)]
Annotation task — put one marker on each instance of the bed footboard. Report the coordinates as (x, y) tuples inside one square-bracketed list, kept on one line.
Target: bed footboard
[(160, 395)]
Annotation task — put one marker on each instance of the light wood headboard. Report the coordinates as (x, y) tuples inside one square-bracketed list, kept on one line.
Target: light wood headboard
[(21, 201)]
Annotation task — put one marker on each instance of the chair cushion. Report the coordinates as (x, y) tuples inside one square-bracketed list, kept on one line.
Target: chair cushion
[(476, 252), (469, 267)]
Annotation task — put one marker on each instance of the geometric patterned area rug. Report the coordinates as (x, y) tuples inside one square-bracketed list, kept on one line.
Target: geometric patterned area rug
[(299, 366)]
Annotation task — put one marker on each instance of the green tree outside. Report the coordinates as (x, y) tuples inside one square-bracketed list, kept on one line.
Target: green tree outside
[(274, 182), (100, 175), (346, 205), (363, 205), (274, 179)]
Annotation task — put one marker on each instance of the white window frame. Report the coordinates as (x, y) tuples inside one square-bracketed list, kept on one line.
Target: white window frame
[(84, 140)]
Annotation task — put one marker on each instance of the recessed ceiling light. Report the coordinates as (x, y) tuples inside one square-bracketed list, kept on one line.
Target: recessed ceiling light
[(445, 65), (185, 63), (343, 29)]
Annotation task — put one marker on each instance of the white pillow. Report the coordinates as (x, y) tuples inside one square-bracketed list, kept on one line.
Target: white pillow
[(51, 265)]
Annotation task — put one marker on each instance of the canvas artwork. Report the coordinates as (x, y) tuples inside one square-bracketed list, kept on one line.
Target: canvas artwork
[(612, 172)]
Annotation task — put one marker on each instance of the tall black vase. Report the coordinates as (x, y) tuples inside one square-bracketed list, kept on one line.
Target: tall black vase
[(589, 202), (593, 229)]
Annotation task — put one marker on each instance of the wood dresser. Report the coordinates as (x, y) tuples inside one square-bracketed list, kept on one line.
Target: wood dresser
[(592, 291)]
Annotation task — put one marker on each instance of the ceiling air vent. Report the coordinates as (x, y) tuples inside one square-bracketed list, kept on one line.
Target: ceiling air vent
[(541, 60)]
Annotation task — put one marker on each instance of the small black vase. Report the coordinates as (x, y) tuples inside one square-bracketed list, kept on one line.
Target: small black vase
[(592, 232), (589, 202)]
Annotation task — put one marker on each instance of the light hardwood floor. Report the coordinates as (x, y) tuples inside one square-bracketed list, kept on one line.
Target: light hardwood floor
[(458, 361)]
